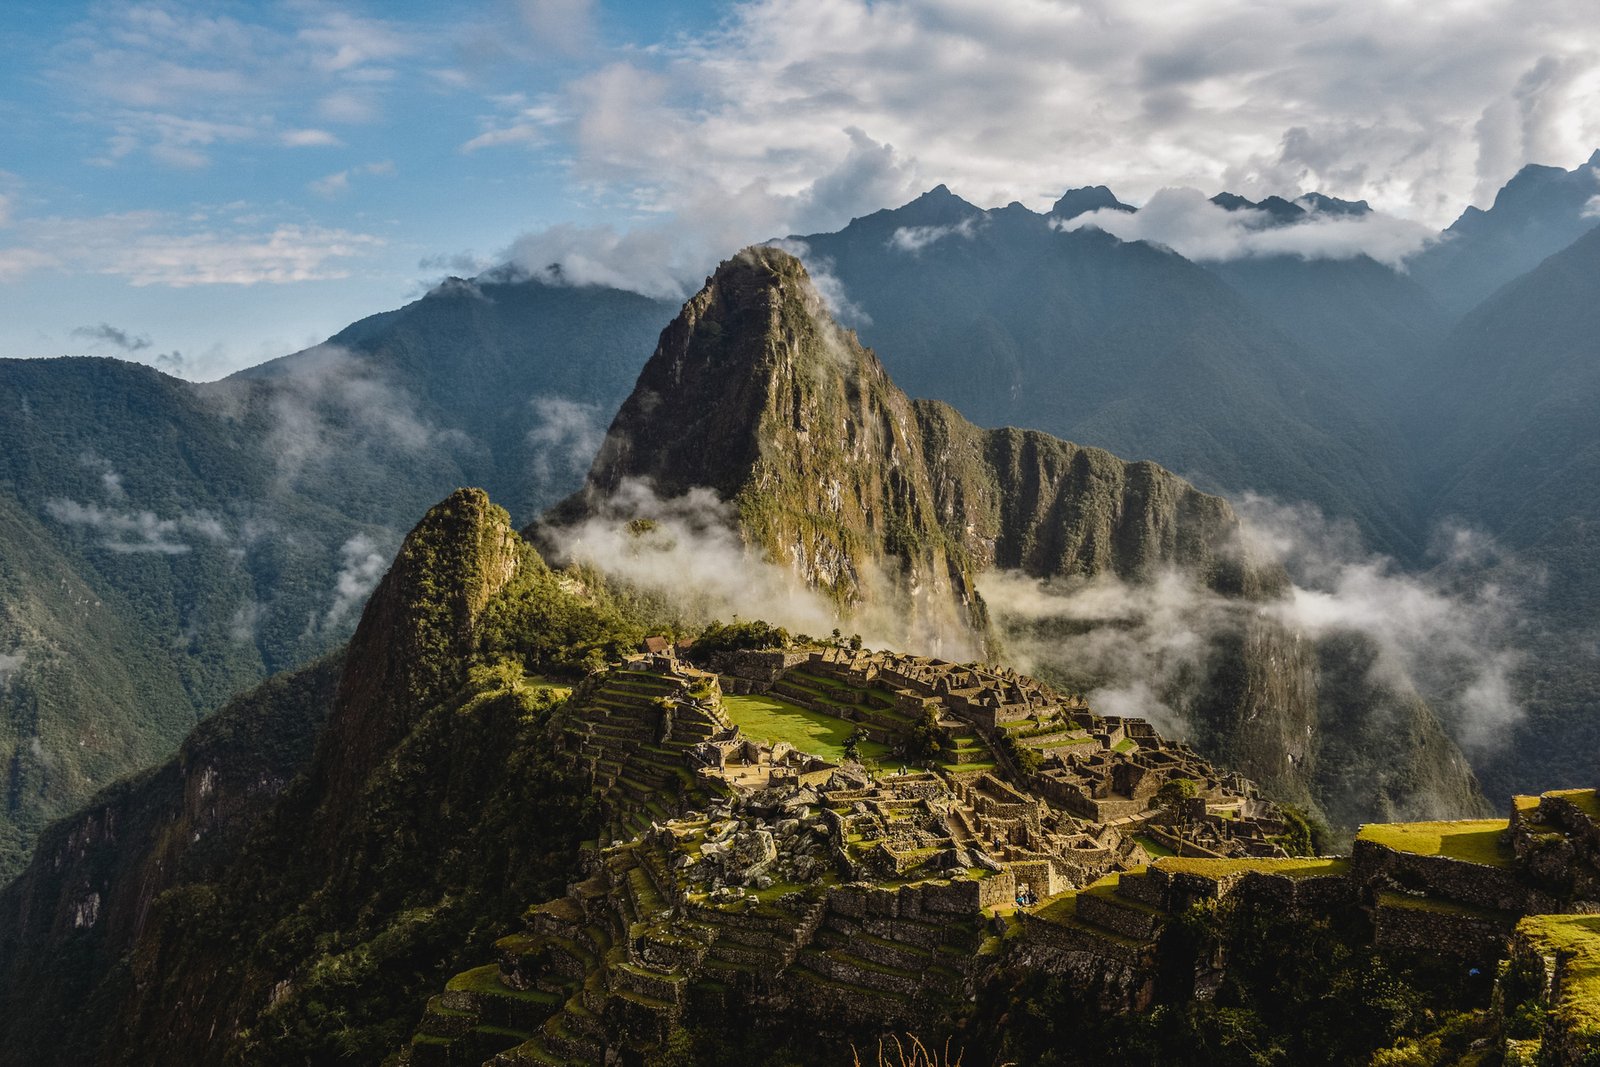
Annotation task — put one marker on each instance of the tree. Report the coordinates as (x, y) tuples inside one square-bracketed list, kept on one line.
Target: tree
[(852, 744), (1176, 790)]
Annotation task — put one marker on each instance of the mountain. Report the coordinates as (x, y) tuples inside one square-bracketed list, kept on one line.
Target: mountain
[(1116, 344), (512, 378), (895, 509), (327, 854), (1075, 202), (755, 393), (1363, 319), (164, 545), (1540, 211), (396, 824), (1510, 442), (167, 543), (1278, 211)]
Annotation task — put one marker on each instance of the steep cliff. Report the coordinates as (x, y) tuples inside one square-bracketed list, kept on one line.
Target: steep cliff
[(757, 394), (899, 506)]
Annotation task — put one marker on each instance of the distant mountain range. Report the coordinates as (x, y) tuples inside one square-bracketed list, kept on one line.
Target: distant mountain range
[(163, 544)]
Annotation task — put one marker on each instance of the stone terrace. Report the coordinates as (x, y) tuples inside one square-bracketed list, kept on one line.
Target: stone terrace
[(733, 872)]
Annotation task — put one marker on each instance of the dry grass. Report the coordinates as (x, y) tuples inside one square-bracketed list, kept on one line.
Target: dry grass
[(911, 1053)]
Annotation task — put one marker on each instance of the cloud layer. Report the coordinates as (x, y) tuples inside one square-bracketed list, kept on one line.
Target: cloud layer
[(688, 550), (1185, 221), (796, 114), (1453, 634)]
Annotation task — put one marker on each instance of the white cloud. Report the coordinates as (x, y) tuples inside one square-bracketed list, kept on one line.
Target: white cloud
[(1185, 221), (138, 532), (691, 551), (734, 134), (1453, 634), (11, 662), (309, 138), (175, 78), (338, 182), (349, 107), (19, 262), (245, 623), (343, 43), (559, 25), (705, 219), (361, 565), (528, 125), (155, 248), (914, 239), (565, 437), (828, 286)]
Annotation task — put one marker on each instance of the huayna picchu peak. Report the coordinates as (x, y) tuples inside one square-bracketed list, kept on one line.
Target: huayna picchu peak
[(895, 509)]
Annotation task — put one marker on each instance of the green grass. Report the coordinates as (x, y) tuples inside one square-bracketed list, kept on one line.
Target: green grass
[(1152, 846), (486, 981), (1472, 840), (1442, 907), (767, 718), (1582, 799), (1576, 937), (1294, 867)]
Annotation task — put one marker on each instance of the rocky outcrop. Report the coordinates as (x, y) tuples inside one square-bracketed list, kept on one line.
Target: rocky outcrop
[(896, 507), (413, 641)]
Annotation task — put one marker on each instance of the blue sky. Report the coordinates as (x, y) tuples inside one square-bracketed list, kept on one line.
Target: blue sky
[(234, 181), (207, 185)]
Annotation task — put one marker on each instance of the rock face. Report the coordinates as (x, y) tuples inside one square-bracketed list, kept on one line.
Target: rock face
[(757, 394), (898, 506)]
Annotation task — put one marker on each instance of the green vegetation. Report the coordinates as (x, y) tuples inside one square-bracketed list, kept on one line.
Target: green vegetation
[(1305, 835), (1295, 992), (1295, 867), (435, 811), (1476, 840), (769, 718), (1155, 848), (1575, 939), (924, 740), (1442, 907), (1585, 800), (1026, 759), (731, 637)]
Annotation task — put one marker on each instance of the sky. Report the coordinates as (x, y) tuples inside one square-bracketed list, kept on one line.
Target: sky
[(204, 186)]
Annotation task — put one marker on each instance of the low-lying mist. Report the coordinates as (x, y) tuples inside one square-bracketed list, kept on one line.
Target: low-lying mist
[(687, 551), (1452, 634)]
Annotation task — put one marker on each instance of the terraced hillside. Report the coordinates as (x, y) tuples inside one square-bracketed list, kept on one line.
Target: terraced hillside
[(741, 877)]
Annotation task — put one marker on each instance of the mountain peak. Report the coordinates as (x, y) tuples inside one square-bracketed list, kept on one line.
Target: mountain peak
[(408, 649), (756, 335), (831, 471), (1279, 210), (1332, 205), (1080, 201)]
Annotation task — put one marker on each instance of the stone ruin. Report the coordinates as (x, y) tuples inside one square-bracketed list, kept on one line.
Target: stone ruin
[(737, 873)]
